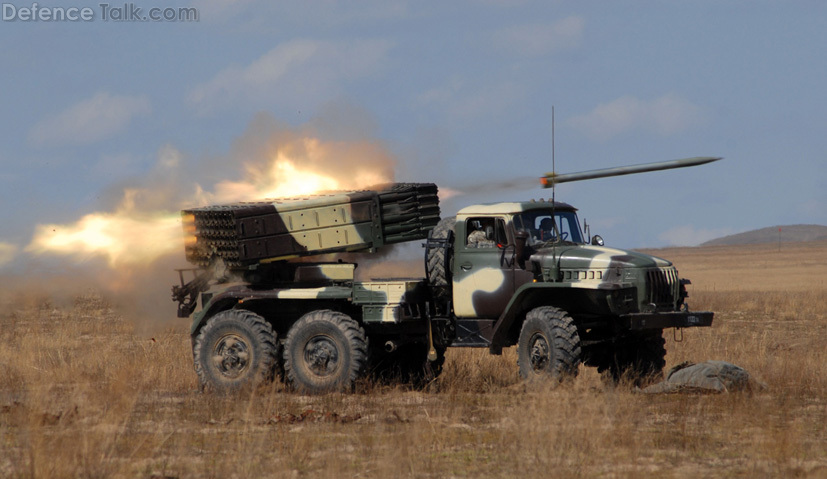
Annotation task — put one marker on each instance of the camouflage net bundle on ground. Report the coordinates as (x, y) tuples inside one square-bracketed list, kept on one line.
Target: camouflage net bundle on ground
[(706, 377)]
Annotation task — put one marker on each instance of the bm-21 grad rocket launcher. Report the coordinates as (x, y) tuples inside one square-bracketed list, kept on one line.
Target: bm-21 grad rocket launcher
[(252, 240), (496, 275)]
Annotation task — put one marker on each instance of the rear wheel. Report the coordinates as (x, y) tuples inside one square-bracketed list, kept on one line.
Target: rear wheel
[(235, 349), (325, 351), (549, 345)]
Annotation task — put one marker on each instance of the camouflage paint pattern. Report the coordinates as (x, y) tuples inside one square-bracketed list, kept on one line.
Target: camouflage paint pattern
[(390, 301), (486, 279), (244, 234), (489, 281)]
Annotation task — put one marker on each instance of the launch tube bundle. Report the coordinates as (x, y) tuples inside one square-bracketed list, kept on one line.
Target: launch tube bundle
[(247, 233)]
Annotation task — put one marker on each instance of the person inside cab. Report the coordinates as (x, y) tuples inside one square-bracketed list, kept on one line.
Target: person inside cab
[(546, 231), (482, 234)]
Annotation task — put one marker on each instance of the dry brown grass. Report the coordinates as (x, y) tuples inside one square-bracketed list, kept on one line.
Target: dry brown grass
[(82, 394)]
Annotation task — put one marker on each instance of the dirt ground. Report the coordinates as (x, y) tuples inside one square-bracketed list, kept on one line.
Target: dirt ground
[(87, 393)]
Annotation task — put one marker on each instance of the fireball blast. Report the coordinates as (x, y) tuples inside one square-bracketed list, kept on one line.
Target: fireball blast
[(497, 275)]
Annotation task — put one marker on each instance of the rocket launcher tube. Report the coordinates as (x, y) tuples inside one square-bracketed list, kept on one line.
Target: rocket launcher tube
[(551, 179), (243, 234)]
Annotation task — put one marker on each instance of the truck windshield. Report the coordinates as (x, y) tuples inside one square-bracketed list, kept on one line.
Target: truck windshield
[(541, 228)]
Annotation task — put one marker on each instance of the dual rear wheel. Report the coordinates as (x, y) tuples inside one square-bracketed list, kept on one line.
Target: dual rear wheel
[(324, 351)]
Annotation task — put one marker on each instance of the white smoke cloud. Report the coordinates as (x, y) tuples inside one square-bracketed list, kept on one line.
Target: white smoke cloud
[(298, 73), (8, 252), (90, 120)]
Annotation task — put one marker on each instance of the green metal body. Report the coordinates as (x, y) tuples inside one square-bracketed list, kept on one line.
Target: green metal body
[(608, 291), (504, 259), (605, 289)]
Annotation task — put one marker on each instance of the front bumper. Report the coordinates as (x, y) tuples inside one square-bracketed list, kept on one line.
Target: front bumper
[(670, 319)]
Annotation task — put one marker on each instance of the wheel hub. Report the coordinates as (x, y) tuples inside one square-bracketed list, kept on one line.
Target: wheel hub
[(539, 353), (321, 355), (231, 356)]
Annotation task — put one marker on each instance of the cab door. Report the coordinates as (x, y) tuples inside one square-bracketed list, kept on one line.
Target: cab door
[(483, 271)]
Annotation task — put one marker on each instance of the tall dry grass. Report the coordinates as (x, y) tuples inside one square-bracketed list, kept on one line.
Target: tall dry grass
[(84, 393)]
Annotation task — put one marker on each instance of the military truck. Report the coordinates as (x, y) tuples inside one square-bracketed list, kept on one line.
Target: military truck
[(274, 303)]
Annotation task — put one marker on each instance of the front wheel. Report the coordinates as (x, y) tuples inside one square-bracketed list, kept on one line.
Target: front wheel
[(325, 351), (549, 345), (235, 349)]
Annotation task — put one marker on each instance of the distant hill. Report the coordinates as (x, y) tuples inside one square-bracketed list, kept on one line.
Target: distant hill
[(789, 233)]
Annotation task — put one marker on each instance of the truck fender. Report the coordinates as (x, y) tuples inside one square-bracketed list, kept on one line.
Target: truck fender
[(526, 298), (234, 295), (215, 305)]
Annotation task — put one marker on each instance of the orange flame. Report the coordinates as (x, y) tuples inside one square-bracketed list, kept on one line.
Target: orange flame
[(123, 237), (283, 177), (132, 236)]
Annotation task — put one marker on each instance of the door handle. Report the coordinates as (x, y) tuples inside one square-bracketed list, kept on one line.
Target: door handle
[(466, 266)]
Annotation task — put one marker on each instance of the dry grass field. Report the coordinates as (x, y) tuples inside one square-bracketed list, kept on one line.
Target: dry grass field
[(86, 393)]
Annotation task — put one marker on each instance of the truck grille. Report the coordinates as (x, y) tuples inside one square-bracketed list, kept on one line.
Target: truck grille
[(662, 286)]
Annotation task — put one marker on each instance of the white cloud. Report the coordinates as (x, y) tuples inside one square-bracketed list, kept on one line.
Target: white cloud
[(461, 102), (666, 115), (540, 39), (90, 120), (688, 235), (8, 252), (300, 73)]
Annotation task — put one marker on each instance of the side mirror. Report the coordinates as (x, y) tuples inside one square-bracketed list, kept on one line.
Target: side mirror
[(597, 240)]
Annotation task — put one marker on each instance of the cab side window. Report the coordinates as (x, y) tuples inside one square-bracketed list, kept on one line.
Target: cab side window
[(485, 232)]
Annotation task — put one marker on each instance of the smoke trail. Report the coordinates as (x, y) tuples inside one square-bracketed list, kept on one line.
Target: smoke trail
[(128, 249)]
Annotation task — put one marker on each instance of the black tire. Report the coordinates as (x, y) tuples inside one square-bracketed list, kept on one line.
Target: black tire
[(325, 351), (236, 349), (438, 259), (549, 346), (407, 365), (639, 359)]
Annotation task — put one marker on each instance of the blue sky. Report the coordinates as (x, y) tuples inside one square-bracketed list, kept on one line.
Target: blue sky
[(459, 93)]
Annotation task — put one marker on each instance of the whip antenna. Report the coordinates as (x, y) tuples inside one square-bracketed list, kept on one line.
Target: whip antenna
[(553, 169), (553, 186)]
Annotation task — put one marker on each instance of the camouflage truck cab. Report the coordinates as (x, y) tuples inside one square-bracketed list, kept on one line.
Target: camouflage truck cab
[(524, 274)]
